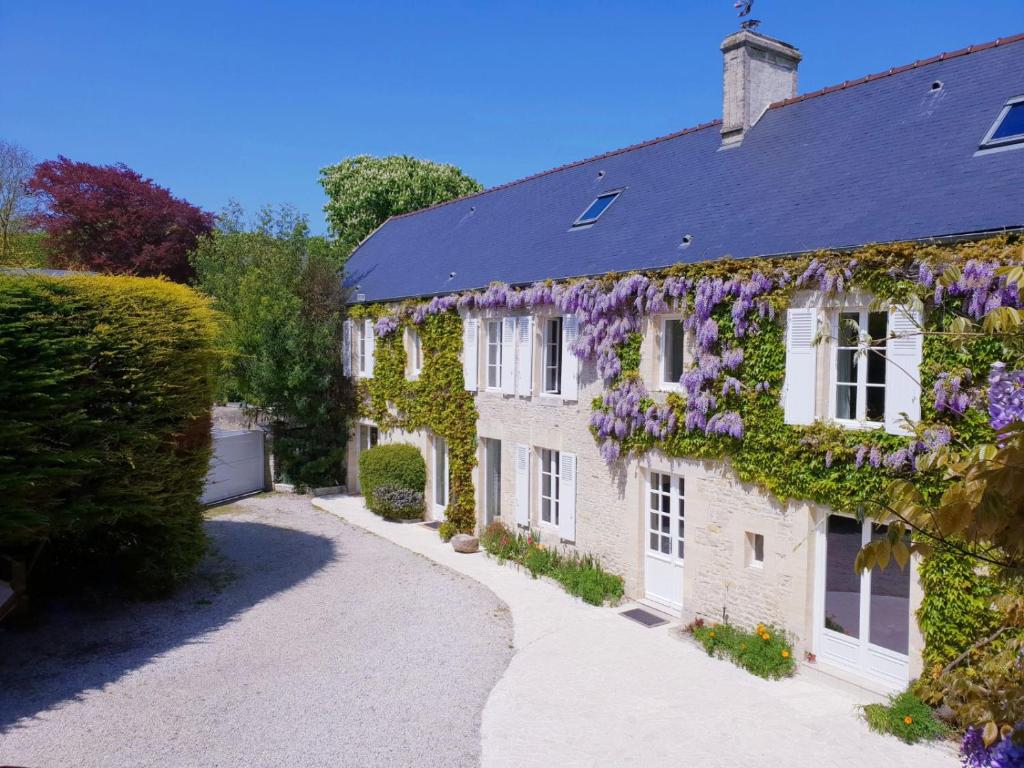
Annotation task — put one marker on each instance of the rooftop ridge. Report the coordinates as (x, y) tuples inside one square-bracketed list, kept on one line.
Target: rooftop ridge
[(946, 56), (564, 167)]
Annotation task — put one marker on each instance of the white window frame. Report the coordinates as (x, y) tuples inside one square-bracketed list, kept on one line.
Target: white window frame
[(495, 346), (548, 466), (369, 428), (753, 561), (860, 422), (664, 384), (361, 357), (552, 348), (1015, 140), (415, 353)]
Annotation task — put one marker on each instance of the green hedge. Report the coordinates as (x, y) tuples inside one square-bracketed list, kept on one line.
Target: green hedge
[(106, 385), (398, 464)]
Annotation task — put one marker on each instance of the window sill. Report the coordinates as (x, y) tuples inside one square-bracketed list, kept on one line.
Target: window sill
[(858, 426), (549, 399)]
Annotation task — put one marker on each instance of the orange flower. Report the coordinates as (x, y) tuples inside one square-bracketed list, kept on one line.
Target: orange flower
[(785, 654), (908, 719), (760, 629)]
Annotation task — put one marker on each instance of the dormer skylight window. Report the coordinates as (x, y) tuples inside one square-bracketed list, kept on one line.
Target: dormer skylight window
[(596, 208), (1008, 127)]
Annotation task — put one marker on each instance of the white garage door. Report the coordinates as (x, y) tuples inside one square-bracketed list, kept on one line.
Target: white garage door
[(236, 466)]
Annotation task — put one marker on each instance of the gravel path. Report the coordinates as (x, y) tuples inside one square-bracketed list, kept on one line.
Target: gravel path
[(303, 642)]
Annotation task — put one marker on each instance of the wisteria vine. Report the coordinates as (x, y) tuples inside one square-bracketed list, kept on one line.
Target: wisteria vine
[(611, 311)]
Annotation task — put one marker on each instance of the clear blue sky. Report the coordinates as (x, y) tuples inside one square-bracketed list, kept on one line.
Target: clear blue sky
[(248, 100)]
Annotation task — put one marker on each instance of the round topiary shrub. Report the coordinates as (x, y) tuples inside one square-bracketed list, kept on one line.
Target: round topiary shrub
[(394, 503), (399, 465)]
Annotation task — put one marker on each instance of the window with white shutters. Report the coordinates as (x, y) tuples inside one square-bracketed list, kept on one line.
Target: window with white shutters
[(800, 386), (551, 372), (495, 349)]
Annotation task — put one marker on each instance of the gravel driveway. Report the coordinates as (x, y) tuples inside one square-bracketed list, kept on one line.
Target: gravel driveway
[(302, 642)]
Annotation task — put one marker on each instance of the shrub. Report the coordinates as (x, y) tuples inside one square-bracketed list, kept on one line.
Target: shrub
[(579, 575), (106, 385), (394, 503), (906, 717), (399, 465), (765, 652)]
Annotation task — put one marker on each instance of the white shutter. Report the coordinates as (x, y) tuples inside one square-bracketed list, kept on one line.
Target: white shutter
[(570, 364), (523, 485), (346, 348), (567, 496), (470, 350), (370, 345), (508, 355), (902, 370), (524, 347), (798, 392)]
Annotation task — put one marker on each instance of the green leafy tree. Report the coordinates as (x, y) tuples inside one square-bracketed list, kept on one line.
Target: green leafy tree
[(363, 191), (280, 291)]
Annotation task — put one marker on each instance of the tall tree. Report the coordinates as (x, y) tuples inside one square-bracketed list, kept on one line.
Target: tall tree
[(16, 202), (110, 219), (363, 191), (279, 288)]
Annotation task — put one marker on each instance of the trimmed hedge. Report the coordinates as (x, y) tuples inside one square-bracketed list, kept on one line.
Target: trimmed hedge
[(394, 503), (398, 464), (106, 385)]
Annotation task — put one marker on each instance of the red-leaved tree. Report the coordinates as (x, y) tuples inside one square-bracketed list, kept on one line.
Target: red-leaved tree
[(108, 218)]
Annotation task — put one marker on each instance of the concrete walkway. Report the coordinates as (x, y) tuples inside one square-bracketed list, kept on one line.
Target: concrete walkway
[(587, 687)]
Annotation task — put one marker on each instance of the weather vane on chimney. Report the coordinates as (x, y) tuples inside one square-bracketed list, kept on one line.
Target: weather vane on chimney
[(745, 7)]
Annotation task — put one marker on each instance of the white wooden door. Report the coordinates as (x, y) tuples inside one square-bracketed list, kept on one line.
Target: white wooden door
[(664, 516), (863, 620), (440, 478)]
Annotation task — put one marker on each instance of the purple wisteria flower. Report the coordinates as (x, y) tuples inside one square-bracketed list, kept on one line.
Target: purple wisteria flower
[(1005, 396), (1008, 752), (949, 395), (386, 325), (980, 289)]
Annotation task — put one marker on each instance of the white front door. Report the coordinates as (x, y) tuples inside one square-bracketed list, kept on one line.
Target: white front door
[(664, 524), (863, 622), (440, 477)]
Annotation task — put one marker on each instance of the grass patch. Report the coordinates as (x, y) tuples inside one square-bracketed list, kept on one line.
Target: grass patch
[(906, 717), (765, 652), (580, 575)]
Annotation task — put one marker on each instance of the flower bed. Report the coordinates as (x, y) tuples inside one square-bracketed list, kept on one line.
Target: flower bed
[(906, 717), (765, 652), (579, 575)]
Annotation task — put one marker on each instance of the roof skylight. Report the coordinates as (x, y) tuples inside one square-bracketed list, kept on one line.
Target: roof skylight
[(596, 208), (1008, 127)]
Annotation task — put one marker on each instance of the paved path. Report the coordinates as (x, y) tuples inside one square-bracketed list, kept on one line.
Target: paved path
[(306, 642), (589, 688)]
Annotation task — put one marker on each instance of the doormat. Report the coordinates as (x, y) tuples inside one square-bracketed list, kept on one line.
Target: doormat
[(435, 524), (640, 616)]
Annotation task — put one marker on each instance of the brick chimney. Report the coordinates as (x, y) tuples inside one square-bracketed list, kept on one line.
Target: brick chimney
[(758, 71)]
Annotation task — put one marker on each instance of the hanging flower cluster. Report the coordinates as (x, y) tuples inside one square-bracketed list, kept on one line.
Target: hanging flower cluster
[(903, 459), (1005, 396), (827, 279), (977, 284), (386, 325), (950, 397)]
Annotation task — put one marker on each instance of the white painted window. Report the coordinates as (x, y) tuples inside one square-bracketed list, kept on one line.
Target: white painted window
[(671, 353), (415, 354), (755, 550), (470, 352), (552, 364), (550, 487), (859, 367), (368, 436), (495, 348), (365, 348), (346, 348)]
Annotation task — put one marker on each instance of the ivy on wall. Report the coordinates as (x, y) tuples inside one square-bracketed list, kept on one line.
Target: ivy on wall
[(436, 401), (730, 409)]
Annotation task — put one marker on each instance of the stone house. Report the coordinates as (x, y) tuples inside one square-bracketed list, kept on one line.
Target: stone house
[(923, 153)]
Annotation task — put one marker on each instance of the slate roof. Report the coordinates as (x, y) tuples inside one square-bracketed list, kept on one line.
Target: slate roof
[(881, 159)]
